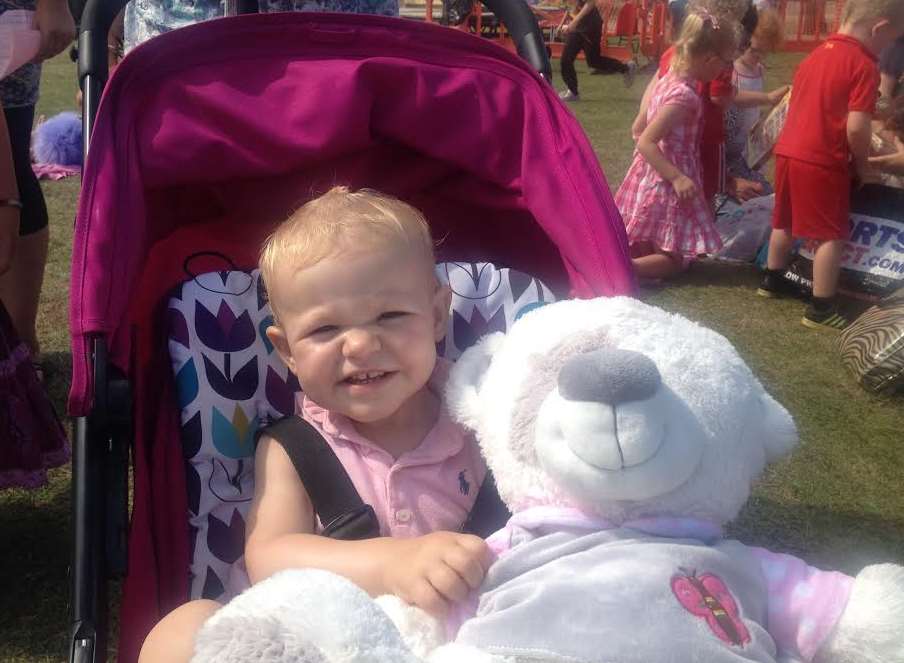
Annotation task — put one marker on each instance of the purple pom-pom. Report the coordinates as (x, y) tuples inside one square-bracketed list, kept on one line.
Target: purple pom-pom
[(59, 140)]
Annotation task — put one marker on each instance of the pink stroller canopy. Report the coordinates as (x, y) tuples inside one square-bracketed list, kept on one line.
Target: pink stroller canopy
[(243, 119)]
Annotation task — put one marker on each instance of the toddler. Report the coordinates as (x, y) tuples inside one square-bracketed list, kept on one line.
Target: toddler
[(668, 216), (358, 312), (743, 182), (717, 94), (826, 137)]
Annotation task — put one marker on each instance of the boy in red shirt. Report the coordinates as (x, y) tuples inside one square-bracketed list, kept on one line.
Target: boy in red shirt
[(825, 138)]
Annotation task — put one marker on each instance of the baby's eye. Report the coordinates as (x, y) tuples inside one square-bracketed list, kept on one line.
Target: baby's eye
[(323, 330), (392, 315)]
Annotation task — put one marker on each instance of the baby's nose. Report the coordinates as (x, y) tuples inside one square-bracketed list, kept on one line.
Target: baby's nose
[(609, 375), (360, 342)]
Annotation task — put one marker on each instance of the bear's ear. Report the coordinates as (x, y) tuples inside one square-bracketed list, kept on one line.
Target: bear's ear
[(466, 378), (779, 429)]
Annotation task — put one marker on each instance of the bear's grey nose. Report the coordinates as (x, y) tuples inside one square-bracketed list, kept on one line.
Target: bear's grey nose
[(609, 375)]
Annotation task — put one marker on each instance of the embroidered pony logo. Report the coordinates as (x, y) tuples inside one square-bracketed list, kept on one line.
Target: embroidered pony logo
[(463, 484), (706, 596)]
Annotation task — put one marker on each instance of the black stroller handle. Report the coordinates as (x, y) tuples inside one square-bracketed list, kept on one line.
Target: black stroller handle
[(99, 15), (524, 30)]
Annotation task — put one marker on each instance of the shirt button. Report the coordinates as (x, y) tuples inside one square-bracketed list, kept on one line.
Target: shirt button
[(403, 515)]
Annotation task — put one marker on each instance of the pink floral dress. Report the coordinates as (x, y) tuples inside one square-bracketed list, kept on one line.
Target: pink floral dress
[(649, 205)]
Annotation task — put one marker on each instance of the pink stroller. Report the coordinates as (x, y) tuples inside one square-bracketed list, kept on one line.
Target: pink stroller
[(205, 138)]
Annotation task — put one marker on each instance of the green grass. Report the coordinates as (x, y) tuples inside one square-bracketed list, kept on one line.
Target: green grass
[(838, 502)]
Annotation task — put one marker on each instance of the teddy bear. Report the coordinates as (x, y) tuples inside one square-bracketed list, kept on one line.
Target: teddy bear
[(622, 438)]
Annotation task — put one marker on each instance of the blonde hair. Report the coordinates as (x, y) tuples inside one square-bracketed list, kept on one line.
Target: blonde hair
[(856, 11), (342, 219), (709, 27), (770, 29)]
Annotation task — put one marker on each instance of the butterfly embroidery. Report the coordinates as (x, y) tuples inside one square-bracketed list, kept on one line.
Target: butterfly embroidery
[(707, 596)]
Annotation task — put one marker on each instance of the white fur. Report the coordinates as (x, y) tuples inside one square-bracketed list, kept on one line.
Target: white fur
[(301, 616), (699, 366), (597, 453), (871, 629), (463, 386), (421, 632), (781, 435), (456, 653)]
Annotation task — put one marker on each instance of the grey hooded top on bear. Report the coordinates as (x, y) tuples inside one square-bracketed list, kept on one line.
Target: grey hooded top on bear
[(700, 602)]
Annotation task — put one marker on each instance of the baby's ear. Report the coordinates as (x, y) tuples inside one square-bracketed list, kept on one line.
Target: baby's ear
[(466, 379), (277, 336), (442, 303)]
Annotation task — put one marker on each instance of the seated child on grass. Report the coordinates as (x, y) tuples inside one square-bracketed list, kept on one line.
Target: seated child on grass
[(716, 94), (668, 217), (357, 314)]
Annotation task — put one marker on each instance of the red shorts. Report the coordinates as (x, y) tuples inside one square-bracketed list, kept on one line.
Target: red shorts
[(813, 202)]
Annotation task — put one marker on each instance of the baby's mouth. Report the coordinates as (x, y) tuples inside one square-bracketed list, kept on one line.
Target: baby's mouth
[(366, 377)]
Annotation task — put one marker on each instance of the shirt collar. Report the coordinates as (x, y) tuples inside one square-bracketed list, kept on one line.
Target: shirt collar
[(443, 440), (854, 41)]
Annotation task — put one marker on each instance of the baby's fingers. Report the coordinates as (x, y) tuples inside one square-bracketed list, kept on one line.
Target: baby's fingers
[(425, 596), (448, 583), (470, 566)]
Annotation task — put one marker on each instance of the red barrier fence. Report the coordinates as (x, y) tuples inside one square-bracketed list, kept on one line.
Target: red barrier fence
[(809, 22), (633, 29)]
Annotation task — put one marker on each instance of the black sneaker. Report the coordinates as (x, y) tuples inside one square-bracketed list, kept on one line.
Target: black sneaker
[(774, 284), (829, 319)]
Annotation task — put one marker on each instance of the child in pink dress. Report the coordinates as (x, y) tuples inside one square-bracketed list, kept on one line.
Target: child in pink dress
[(668, 218)]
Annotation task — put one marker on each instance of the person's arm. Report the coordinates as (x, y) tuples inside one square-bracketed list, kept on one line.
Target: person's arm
[(722, 91), (893, 163), (57, 27), (640, 121), (666, 119), (749, 99), (9, 195), (588, 7), (859, 134), (427, 571), (742, 189)]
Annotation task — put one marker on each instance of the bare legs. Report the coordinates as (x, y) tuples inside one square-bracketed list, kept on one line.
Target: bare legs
[(20, 287), (826, 262), (780, 243), (658, 265), (827, 267)]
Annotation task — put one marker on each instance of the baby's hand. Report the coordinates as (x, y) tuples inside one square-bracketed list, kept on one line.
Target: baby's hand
[(684, 186), (438, 568), (778, 94)]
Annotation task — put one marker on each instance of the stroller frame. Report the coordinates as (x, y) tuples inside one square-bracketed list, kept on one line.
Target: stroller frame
[(100, 456)]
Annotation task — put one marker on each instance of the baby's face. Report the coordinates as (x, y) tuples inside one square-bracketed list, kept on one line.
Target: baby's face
[(360, 328), (755, 53)]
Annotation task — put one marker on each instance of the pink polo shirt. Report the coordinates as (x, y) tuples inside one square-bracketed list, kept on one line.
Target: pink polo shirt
[(427, 489)]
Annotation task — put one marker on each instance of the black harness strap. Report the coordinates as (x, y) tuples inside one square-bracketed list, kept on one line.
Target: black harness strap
[(334, 498), (489, 512), (336, 501)]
